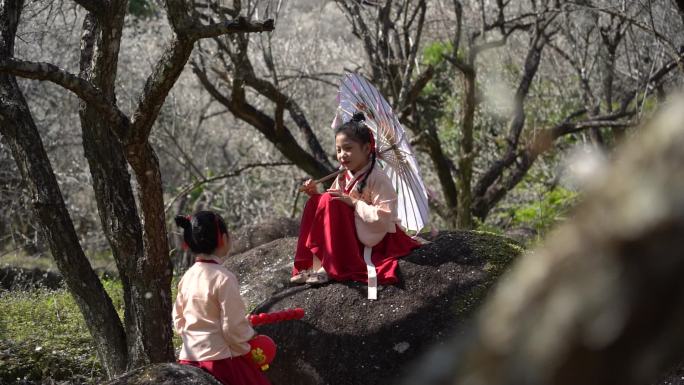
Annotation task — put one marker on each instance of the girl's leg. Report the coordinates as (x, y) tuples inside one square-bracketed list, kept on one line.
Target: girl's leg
[(317, 265), (388, 251), (303, 256), (333, 240), (318, 274)]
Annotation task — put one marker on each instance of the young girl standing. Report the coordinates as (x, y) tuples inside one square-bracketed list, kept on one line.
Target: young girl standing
[(358, 212), (209, 313)]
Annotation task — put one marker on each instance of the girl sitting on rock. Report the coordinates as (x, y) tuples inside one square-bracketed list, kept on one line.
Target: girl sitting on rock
[(358, 211), (209, 313)]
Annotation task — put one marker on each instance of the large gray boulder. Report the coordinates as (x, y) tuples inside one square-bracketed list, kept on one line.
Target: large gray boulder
[(165, 374), (251, 236), (263, 270), (346, 338), (17, 278)]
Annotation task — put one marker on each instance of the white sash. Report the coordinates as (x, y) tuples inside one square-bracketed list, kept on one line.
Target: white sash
[(372, 275)]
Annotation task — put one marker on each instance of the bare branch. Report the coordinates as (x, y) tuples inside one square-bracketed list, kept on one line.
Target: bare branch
[(458, 10), (232, 12), (172, 62), (241, 24), (315, 77), (157, 87), (281, 139), (421, 81), (182, 151), (518, 121), (669, 45), (79, 86), (95, 6), (411, 59), (189, 187)]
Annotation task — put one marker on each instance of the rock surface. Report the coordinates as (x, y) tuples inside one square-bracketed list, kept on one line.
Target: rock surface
[(264, 270), (165, 374), (346, 338), (17, 278), (249, 237)]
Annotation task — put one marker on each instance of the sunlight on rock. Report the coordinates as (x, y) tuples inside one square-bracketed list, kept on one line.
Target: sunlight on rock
[(401, 347)]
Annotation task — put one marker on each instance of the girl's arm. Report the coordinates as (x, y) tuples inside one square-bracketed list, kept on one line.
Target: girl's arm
[(381, 213), (234, 324)]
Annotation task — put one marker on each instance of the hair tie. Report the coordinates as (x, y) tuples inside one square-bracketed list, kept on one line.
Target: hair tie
[(219, 238), (185, 245)]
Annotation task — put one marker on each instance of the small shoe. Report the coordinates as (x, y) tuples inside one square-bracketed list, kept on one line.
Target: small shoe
[(301, 277), (317, 278)]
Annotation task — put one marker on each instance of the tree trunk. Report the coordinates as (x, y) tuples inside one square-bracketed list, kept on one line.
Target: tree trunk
[(103, 322), (443, 168), (151, 281), (111, 180), (465, 161), (17, 125)]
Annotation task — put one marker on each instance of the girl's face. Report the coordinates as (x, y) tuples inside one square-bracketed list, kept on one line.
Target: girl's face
[(351, 154)]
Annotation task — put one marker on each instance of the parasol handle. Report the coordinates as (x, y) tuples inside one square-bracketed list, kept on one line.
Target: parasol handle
[(325, 178)]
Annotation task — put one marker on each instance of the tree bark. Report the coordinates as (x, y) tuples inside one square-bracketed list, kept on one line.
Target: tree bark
[(151, 280), (466, 155), (54, 221), (443, 166), (111, 179), (18, 127)]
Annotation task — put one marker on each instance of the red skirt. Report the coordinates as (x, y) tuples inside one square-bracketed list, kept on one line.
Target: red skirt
[(232, 371), (328, 231)]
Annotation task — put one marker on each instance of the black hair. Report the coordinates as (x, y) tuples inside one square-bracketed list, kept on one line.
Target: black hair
[(202, 230), (356, 130)]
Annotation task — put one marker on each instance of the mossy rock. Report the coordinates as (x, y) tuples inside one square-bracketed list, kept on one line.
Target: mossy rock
[(347, 339)]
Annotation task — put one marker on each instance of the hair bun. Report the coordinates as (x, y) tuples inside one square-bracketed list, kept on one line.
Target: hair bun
[(358, 117), (182, 221)]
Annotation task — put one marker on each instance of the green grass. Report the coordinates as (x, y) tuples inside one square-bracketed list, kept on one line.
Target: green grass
[(44, 339), (100, 261), (19, 259), (546, 212)]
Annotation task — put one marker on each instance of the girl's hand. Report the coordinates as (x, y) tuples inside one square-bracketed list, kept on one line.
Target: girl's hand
[(309, 187), (338, 195)]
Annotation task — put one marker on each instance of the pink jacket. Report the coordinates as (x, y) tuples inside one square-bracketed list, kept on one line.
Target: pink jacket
[(375, 213), (209, 314)]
